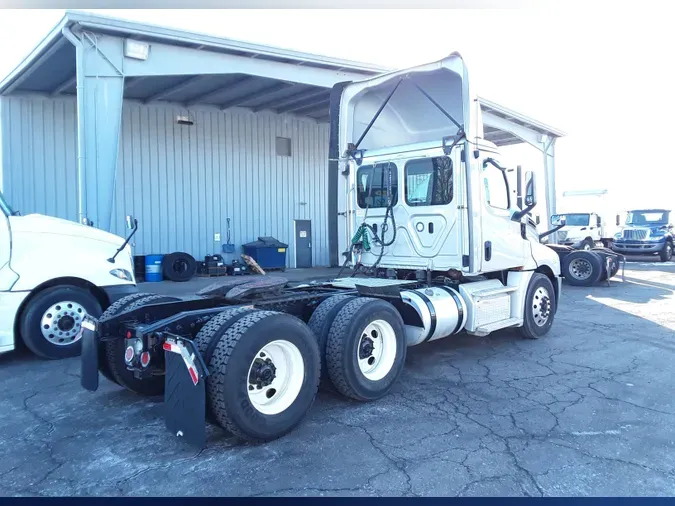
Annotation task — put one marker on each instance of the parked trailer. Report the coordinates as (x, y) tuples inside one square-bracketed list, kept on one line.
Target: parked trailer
[(429, 211)]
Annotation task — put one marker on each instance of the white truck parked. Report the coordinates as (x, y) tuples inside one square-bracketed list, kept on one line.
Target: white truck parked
[(53, 272), (589, 221), (427, 212)]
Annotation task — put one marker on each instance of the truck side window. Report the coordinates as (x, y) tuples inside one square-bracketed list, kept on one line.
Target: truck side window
[(372, 183), (429, 181), (496, 190)]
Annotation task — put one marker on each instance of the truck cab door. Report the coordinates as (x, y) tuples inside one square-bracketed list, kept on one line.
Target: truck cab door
[(503, 246)]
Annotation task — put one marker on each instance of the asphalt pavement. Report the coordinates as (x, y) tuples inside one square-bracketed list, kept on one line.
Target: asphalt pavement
[(587, 410)]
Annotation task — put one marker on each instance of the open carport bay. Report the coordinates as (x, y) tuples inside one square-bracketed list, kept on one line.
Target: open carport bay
[(588, 410)]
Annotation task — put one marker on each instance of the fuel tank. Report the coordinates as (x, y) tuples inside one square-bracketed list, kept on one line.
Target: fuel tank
[(442, 312)]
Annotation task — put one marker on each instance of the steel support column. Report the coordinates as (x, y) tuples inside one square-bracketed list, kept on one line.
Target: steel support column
[(548, 145), (100, 90)]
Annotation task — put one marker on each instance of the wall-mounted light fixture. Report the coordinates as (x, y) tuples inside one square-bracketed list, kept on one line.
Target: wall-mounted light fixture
[(184, 120), (136, 49)]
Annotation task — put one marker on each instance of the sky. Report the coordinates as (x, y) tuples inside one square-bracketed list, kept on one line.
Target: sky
[(599, 73)]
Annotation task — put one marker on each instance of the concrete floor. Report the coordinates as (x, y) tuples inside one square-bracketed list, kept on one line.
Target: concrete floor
[(587, 410)]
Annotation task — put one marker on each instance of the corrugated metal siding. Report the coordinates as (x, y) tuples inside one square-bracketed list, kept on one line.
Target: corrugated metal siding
[(39, 144), (180, 182)]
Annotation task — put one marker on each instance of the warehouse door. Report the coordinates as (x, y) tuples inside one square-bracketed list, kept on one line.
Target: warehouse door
[(303, 244)]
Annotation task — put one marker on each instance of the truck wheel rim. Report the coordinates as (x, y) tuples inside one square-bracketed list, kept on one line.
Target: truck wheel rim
[(60, 324), (669, 252), (275, 377), (541, 306), (376, 351), (580, 269), (587, 247)]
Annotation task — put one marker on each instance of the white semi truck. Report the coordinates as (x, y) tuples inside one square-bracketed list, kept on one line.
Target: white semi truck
[(438, 245), (589, 219), (53, 272)]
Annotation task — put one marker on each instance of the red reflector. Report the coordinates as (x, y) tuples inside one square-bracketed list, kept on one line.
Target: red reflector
[(129, 354), (193, 375), (129, 334), (145, 359), (166, 346)]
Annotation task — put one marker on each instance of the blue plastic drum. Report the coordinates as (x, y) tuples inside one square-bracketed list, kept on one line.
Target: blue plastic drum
[(153, 268)]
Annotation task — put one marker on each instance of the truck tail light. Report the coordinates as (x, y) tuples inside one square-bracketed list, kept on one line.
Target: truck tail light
[(129, 354), (145, 359)]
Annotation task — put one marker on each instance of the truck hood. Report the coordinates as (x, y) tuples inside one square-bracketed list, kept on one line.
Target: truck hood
[(41, 224)]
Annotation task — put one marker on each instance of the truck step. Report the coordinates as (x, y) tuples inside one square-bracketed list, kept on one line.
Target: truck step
[(486, 329), (492, 292)]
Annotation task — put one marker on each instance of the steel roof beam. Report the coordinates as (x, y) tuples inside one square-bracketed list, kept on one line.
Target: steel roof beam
[(202, 98), (304, 103), (321, 106), (311, 93), (253, 95), (186, 83), (60, 43), (68, 83)]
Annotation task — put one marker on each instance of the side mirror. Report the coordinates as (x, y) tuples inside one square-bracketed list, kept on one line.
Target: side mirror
[(599, 221), (130, 222), (537, 220), (618, 220), (530, 189)]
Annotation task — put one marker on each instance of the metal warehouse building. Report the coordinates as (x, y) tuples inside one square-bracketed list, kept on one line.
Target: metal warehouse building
[(184, 131)]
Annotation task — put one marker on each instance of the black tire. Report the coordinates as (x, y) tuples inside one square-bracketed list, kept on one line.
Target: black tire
[(114, 309), (666, 254), (342, 348), (30, 326), (227, 387), (587, 244), (533, 329), (114, 351), (578, 263), (320, 323), (179, 267), (207, 337)]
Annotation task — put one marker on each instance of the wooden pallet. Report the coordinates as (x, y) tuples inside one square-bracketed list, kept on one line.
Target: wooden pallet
[(253, 264)]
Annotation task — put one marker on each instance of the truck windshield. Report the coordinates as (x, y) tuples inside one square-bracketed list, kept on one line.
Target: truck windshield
[(4, 206), (647, 218), (576, 220)]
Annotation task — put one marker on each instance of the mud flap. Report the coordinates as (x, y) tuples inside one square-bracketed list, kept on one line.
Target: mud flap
[(185, 391), (89, 355)]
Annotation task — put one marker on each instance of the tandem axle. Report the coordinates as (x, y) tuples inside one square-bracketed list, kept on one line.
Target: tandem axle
[(249, 356)]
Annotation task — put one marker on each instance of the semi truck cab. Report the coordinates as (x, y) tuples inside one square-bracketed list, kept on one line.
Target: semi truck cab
[(53, 272), (581, 230), (646, 232)]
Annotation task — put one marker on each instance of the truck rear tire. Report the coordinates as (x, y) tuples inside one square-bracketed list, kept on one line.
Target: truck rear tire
[(114, 351), (666, 254), (540, 307), (114, 309), (265, 375), (366, 349), (207, 338), (50, 323), (320, 323), (582, 268)]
